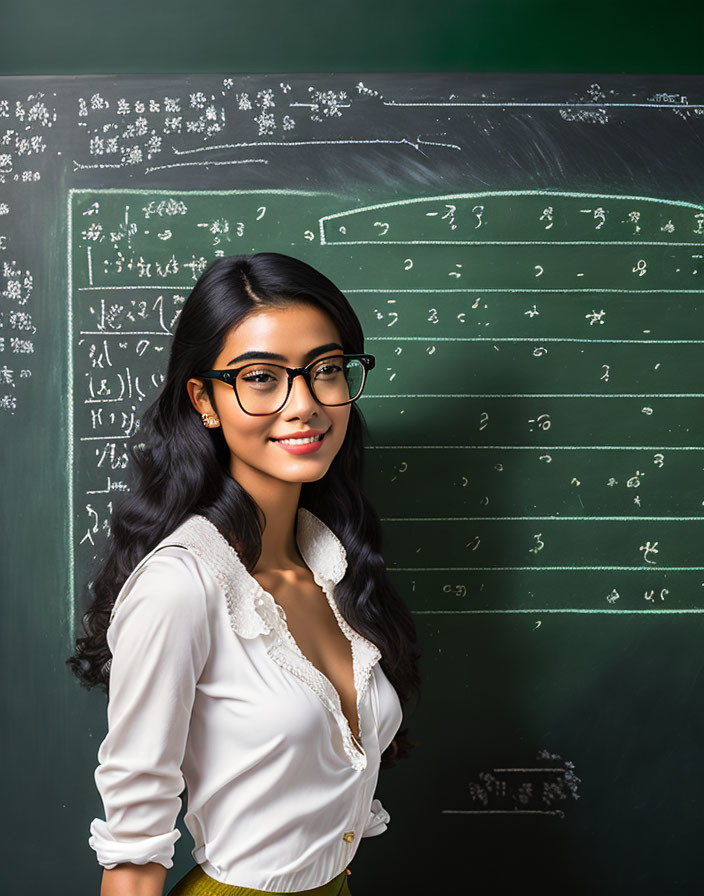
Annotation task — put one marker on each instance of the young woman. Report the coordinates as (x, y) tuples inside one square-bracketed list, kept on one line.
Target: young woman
[(242, 622)]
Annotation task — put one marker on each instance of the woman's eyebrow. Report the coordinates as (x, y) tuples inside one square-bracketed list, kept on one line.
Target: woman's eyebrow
[(271, 356)]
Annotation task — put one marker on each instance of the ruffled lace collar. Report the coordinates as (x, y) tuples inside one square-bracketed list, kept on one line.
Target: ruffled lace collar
[(321, 549), (253, 612)]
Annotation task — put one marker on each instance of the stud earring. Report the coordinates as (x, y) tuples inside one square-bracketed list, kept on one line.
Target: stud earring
[(209, 420)]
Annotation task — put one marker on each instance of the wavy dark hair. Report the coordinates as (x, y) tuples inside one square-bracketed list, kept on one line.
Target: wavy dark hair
[(179, 467)]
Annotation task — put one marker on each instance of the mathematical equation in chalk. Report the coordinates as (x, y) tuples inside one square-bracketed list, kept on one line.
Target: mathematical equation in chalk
[(550, 787), (26, 123), (225, 121), (535, 218), (561, 436)]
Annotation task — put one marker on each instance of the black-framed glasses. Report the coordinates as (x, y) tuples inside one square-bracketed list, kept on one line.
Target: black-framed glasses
[(263, 388)]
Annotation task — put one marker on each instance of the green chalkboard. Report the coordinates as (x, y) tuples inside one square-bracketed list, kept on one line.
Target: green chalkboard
[(526, 256)]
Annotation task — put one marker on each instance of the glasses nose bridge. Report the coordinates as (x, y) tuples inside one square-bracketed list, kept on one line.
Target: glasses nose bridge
[(293, 372)]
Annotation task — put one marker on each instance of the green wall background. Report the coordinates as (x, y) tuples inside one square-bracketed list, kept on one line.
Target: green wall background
[(133, 36)]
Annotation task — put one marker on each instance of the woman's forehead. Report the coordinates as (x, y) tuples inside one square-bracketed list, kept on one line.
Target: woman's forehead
[(291, 332)]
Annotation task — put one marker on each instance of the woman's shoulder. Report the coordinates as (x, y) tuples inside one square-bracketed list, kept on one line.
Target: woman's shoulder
[(182, 553), (169, 578), (195, 563), (163, 600), (220, 564)]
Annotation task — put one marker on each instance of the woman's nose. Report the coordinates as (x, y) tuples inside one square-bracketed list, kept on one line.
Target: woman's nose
[(301, 394)]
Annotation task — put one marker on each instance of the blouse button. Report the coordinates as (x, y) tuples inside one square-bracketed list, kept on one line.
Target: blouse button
[(348, 836), (260, 601)]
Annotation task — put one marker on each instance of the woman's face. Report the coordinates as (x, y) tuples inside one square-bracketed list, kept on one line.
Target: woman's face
[(300, 334)]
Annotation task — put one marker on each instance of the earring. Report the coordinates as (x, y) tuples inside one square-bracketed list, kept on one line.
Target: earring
[(209, 421)]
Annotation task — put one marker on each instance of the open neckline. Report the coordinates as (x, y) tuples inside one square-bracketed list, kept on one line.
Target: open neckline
[(288, 634), (344, 627), (279, 641)]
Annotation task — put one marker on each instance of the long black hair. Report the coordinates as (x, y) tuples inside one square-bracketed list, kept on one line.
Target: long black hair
[(179, 467)]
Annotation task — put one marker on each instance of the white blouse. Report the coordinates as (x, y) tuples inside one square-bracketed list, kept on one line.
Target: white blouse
[(209, 688)]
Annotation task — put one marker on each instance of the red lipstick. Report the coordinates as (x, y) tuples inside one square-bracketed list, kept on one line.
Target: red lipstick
[(302, 447)]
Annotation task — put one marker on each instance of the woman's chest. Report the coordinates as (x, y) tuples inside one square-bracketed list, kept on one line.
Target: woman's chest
[(256, 695), (307, 683), (312, 624)]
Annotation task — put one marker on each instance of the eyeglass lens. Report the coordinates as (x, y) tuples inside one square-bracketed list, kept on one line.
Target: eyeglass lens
[(262, 388)]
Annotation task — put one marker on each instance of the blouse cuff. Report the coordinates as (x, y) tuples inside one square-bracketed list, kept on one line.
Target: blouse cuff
[(138, 851), (378, 820)]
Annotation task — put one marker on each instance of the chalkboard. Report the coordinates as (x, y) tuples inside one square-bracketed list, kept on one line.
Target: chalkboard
[(526, 256)]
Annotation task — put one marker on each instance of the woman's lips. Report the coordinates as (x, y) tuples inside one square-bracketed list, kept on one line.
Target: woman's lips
[(301, 434), (302, 447)]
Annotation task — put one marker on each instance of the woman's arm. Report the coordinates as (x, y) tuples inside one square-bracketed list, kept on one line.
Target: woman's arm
[(159, 638), (134, 880)]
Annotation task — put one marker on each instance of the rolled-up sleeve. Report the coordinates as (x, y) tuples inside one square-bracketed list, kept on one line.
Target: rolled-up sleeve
[(160, 640), (378, 820)]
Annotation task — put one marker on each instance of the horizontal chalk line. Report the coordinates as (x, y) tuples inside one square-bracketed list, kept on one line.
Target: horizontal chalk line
[(462, 519), (450, 242), (391, 289), (520, 289), (538, 395), (502, 812), (537, 339), (430, 338), (544, 610), (650, 568)]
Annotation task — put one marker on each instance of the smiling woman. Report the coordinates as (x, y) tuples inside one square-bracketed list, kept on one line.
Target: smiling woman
[(242, 621), (256, 405)]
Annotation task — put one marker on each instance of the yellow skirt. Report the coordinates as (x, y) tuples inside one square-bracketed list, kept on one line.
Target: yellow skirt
[(198, 883)]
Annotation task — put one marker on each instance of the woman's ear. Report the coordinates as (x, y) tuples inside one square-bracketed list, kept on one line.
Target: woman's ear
[(199, 396)]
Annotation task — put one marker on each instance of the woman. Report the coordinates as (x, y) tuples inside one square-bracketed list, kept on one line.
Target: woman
[(254, 647)]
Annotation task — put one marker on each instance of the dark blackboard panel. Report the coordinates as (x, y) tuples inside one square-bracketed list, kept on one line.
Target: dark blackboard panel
[(525, 255)]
